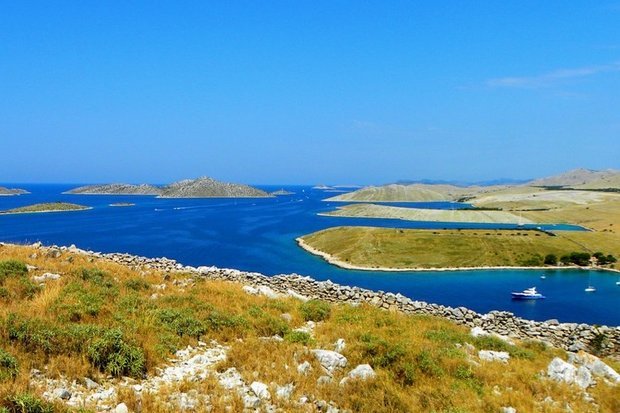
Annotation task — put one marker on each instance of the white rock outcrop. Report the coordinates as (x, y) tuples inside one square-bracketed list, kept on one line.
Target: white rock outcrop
[(330, 360), (490, 355)]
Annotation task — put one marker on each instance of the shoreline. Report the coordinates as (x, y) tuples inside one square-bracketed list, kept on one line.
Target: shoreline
[(341, 264)]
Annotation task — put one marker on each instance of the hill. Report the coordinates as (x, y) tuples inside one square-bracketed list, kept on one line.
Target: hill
[(403, 193), (206, 187), (116, 189), (85, 331), (12, 191), (581, 179)]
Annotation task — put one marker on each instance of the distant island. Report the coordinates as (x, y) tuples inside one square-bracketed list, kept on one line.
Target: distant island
[(282, 192), (12, 191), (203, 187), (116, 189), (122, 204), (45, 207)]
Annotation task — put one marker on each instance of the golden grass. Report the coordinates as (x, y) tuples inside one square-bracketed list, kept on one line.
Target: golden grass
[(371, 247), (419, 363)]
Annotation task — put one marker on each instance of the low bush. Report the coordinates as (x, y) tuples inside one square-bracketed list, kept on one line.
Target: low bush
[(428, 364), (315, 310), (137, 284), (8, 366), (298, 337), (12, 268), (25, 403), (113, 355), (182, 322), (265, 324)]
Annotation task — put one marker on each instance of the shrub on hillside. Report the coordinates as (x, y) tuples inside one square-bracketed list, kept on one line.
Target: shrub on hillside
[(113, 355), (137, 284), (315, 310), (25, 403), (551, 259), (8, 366), (182, 322), (12, 268)]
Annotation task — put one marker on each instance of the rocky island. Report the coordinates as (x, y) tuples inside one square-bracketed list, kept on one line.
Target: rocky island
[(12, 191), (203, 187), (206, 187), (46, 207), (282, 192), (116, 189)]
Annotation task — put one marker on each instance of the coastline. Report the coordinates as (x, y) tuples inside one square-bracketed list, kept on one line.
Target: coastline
[(345, 265)]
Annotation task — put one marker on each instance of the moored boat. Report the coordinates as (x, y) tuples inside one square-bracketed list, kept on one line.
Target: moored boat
[(528, 294)]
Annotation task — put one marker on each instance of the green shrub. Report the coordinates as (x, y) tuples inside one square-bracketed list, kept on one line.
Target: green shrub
[(551, 259), (315, 310), (96, 276), (113, 355), (137, 284), (217, 321), (38, 335), (497, 344), (428, 364), (298, 337), (8, 366), (265, 324), (182, 322), (12, 268), (76, 302), (26, 403)]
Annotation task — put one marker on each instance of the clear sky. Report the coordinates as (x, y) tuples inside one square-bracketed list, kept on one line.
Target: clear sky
[(307, 91)]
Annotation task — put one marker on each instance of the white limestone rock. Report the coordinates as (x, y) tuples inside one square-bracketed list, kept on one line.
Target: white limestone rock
[(330, 360), (490, 355), (261, 390), (362, 372), (339, 345), (304, 368)]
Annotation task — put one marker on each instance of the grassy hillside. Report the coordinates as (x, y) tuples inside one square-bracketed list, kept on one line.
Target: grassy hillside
[(102, 320), (46, 207), (370, 247)]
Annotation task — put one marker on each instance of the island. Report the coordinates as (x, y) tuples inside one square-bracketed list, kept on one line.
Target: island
[(206, 187), (116, 189), (282, 192), (203, 187), (122, 204), (12, 191), (46, 207), (581, 197)]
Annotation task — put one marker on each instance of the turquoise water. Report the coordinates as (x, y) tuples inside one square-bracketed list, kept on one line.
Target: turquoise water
[(259, 235)]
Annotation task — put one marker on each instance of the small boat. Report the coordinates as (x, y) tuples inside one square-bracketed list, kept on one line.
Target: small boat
[(528, 294), (542, 277), (590, 289), (617, 282)]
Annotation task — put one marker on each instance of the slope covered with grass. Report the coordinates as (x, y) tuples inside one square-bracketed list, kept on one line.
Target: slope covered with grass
[(74, 317)]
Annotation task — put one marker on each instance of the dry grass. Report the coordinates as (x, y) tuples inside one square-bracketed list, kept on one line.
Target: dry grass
[(420, 363), (370, 247)]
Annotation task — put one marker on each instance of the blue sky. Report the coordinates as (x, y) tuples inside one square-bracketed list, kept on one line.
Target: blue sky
[(307, 91)]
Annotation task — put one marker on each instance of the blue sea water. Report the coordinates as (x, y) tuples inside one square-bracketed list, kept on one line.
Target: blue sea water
[(259, 235)]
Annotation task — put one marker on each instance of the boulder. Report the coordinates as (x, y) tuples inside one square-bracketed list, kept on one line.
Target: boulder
[(121, 408), (559, 370), (490, 355), (261, 390), (339, 345), (285, 392), (595, 366), (330, 360), (362, 372), (304, 368)]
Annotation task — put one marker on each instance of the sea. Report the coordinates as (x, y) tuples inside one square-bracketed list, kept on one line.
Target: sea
[(258, 235)]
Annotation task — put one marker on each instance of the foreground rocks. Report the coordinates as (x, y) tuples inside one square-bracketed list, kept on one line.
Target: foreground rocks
[(569, 336)]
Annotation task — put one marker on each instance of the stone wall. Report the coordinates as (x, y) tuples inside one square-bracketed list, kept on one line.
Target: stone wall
[(569, 336)]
